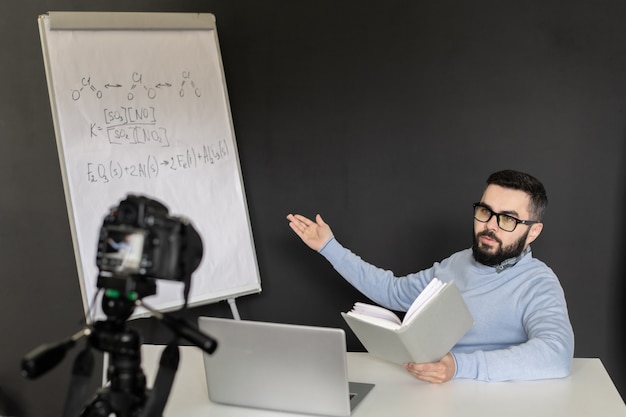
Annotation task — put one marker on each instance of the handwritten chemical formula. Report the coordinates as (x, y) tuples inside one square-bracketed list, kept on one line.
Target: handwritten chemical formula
[(130, 125), (152, 166), (136, 87)]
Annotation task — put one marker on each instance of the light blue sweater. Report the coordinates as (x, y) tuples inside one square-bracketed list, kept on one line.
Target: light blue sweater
[(522, 329)]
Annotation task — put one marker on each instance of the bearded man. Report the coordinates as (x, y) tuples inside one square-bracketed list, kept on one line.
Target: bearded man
[(522, 329)]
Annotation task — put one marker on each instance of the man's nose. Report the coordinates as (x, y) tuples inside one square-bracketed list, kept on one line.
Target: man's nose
[(492, 223)]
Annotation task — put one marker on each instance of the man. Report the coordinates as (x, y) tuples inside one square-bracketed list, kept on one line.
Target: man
[(522, 329)]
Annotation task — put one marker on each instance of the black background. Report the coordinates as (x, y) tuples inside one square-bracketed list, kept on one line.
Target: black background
[(386, 117)]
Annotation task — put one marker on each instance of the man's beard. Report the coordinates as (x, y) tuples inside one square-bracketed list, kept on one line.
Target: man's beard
[(502, 254)]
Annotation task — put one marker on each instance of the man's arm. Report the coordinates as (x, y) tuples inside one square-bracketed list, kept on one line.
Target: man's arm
[(376, 283), (548, 351)]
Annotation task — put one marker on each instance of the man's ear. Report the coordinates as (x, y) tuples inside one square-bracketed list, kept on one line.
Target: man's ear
[(535, 231)]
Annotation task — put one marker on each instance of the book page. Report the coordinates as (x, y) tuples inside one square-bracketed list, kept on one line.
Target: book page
[(380, 322), (431, 290), (376, 311)]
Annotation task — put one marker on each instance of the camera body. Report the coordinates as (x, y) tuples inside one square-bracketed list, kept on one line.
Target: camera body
[(139, 239)]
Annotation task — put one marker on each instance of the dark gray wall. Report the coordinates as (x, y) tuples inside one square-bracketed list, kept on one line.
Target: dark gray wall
[(386, 117)]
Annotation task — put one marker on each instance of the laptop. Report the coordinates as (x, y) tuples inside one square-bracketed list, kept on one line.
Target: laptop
[(282, 367)]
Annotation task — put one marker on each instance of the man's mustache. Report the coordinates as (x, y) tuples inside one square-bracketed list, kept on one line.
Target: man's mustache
[(489, 234)]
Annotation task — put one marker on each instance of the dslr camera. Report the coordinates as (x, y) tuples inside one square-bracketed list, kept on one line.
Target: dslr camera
[(139, 241)]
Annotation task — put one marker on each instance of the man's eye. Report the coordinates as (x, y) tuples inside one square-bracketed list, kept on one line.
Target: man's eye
[(507, 219)]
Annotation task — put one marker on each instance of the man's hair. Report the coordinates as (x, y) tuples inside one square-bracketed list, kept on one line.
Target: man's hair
[(530, 185)]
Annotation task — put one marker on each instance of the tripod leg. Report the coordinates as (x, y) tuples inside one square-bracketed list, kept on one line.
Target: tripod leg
[(168, 366), (99, 407), (81, 375)]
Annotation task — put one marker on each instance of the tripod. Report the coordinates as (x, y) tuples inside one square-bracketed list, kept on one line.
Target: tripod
[(162, 247)]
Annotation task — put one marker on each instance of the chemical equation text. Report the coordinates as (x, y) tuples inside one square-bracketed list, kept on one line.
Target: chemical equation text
[(152, 166)]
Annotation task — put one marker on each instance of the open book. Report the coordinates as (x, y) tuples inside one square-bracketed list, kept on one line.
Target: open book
[(433, 324)]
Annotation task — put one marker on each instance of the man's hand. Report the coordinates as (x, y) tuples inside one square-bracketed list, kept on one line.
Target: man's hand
[(314, 234), (436, 372)]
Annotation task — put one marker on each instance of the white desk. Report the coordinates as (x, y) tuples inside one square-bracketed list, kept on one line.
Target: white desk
[(588, 392)]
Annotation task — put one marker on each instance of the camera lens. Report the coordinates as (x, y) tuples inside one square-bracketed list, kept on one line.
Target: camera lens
[(127, 214)]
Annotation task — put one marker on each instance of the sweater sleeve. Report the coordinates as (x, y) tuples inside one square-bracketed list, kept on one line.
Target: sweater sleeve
[(547, 353), (378, 284)]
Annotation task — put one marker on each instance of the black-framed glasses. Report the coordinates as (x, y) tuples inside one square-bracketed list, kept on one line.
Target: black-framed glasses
[(506, 222)]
